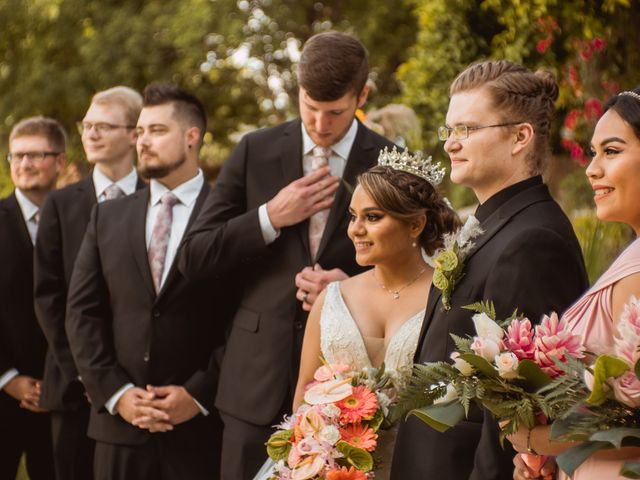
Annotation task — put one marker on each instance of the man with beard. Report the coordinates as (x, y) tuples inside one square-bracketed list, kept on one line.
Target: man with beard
[(109, 140), (279, 212), (136, 326), (37, 156)]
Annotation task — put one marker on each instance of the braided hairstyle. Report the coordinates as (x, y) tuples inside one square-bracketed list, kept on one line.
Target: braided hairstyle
[(406, 196), (520, 96)]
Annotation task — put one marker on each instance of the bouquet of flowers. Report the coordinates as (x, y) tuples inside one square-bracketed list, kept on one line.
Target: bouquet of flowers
[(609, 415), (332, 435), (501, 368)]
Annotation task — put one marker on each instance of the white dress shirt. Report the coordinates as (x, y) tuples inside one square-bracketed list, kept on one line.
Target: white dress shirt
[(337, 162), (127, 183), (28, 210), (187, 194)]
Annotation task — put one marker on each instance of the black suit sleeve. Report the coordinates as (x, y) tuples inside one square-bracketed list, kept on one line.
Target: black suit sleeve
[(50, 288), (88, 322), (538, 272), (203, 383), (225, 234)]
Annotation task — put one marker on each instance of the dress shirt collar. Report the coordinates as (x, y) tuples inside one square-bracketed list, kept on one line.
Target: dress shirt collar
[(186, 192), (342, 148), (127, 183), (28, 208), (485, 210)]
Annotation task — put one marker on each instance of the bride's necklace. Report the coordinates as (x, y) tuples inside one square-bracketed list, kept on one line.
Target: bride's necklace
[(396, 293)]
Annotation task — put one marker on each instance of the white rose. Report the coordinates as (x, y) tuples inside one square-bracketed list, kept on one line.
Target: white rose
[(330, 434), (507, 364), (331, 411), (464, 367), (487, 328), (487, 348), (449, 395)]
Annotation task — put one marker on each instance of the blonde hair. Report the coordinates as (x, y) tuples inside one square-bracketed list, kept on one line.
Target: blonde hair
[(519, 95), (127, 98), (45, 127)]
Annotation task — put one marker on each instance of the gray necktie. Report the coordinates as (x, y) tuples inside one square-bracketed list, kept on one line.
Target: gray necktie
[(160, 238), (113, 191), (317, 222)]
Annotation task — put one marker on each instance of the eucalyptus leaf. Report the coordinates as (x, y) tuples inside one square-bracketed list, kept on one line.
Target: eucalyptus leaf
[(571, 459), (630, 469), (482, 365), (441, 416), (615, 436), (533, 377)]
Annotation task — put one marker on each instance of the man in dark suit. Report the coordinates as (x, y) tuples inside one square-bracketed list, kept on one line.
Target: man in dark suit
[(37, 156), (280, 216), (137, 328), (527, 258), (109, 140)]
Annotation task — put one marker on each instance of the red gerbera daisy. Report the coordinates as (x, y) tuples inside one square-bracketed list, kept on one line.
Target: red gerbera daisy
[(344, 474)]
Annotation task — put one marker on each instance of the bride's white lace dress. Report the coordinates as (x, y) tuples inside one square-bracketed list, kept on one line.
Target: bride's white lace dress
[(342, 342)]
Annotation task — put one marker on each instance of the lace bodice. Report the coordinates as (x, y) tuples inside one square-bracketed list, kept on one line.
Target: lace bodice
[(341, 341)]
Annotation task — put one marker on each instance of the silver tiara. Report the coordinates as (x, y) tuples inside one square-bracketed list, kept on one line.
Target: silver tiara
[(414, 164), (631, 94)]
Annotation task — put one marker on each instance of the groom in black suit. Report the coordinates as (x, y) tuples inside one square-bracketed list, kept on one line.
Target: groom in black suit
[(139, 331), (527, 258), (109, 141), (280, 217)]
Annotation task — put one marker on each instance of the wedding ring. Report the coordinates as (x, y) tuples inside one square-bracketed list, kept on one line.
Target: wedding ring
[(304, 297)]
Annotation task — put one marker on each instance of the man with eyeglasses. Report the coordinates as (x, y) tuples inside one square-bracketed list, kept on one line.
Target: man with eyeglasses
[(36, 158), (528, 257), (109, 141)]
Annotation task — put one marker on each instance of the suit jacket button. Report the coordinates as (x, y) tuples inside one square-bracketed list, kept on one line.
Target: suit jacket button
[(156, 314), (146, 357), (297, 325)]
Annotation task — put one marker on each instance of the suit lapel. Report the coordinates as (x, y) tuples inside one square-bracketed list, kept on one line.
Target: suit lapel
[(174, 274), (137, 213), (24, 239), (358, 161), (491, 226)]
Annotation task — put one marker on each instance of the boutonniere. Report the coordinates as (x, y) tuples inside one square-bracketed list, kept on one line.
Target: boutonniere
[(448, 261)]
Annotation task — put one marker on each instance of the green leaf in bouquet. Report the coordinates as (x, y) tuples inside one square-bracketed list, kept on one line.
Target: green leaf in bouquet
[(480, 364), (483, 307), (427, 383), (441, 416), (637, 368), (376, 421), (630, 469), (604, 368), (571, 459), (616, 436), (359, 458), (279, 445), (533, 377), (463, 345)]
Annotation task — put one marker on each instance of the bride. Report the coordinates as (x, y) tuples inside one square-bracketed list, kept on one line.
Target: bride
[(375, 317)]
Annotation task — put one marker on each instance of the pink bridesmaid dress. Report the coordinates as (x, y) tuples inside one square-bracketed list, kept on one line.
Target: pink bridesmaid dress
[(592, 317)]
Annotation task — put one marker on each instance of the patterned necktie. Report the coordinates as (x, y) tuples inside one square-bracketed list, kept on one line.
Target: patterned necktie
[(160, 238), (33, 227), (113, 191), (317, 222)]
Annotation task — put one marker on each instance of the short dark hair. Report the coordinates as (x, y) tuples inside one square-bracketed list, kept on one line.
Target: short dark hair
[(187, 108), (628, 107), (45, 127), (332, 64)]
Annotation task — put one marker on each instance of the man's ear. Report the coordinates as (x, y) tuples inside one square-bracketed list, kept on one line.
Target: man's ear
[(362, 97), (193, 137), (524, 135)]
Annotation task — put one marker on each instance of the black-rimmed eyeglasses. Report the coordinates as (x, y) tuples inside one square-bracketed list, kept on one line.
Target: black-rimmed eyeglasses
[(33, 157)]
